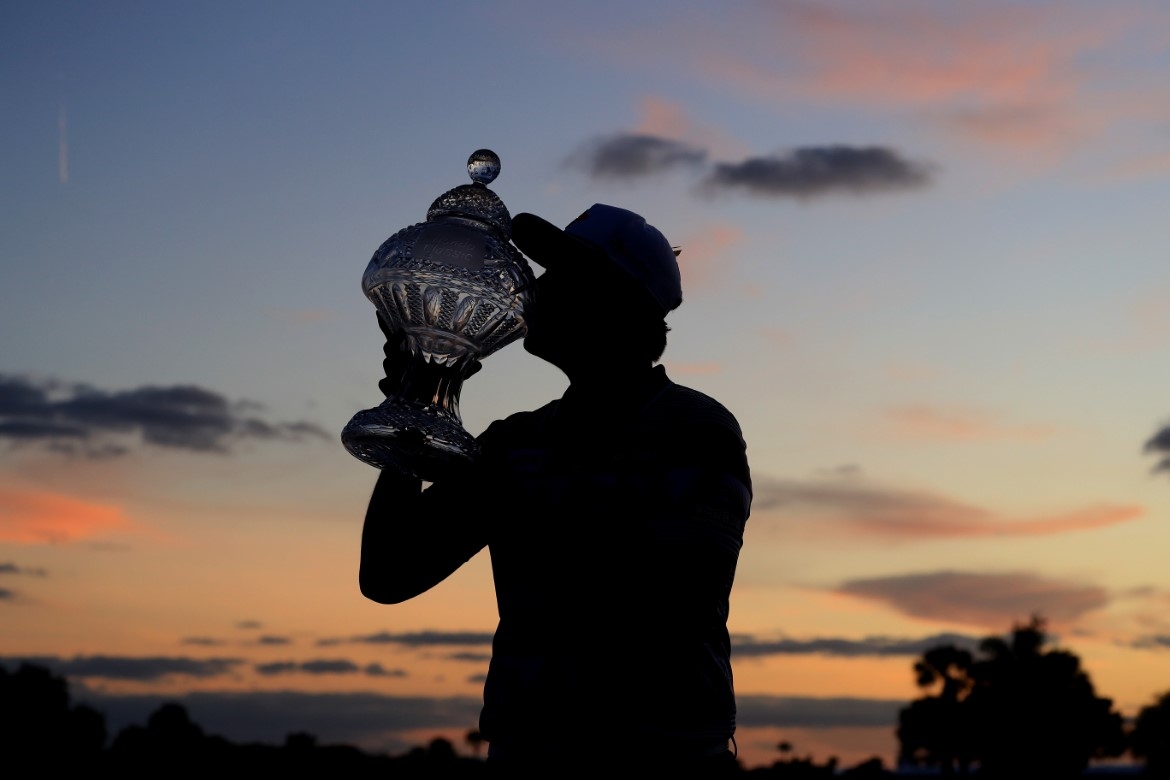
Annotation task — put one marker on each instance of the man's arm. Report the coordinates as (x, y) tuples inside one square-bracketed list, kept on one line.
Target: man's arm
[(414, 539)]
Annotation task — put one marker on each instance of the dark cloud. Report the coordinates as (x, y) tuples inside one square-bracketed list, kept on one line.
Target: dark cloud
[(880, 646), (1152, 642), (274, 640), (329, 666), (990, 600), (75, 418), (478, 657), (201, 641), (11, 568), (630, 156), (323, 666), (808, 712), (249, 625), (477, 679), (1159, 444), (377, 670), (371, 721), (276, 667), (814, 171), (129, 668), (7, 595), (859, 509), (415, 639)]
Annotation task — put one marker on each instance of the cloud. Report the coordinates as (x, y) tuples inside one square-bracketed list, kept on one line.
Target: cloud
[(416, 639), (202, 641), (991, 600), (324, 666), (129, 668), (11, 568), (901, 515), (874, 646), (668, 119), (632, 156), (40, 517), (1013, 77), (249, 625), (1159, 445), (1152, 642), (803, 711), (274, 640), (79, 419), (476, 657), (815, 171), (377, 670), (7, 595), (928, 423)]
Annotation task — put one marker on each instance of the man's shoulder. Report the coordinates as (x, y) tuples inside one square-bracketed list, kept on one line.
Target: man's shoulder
[(520, 424), (681, 407)]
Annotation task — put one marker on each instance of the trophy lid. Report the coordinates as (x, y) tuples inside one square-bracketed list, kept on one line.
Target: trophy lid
[(475, 200)]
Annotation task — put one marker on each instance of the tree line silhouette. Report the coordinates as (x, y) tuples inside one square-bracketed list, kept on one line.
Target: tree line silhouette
[(1013, 709)]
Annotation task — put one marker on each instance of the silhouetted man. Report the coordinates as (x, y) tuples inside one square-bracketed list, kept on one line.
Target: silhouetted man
[(614, 517)]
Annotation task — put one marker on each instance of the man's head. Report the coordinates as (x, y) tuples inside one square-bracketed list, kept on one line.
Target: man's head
[(607, 267)]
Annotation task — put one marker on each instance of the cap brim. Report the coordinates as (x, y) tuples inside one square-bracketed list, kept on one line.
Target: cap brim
[(548, 245)]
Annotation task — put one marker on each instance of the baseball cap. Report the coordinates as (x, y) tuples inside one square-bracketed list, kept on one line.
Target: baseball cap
[(634, 246)]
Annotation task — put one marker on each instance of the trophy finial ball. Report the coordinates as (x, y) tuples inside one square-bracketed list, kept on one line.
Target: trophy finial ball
[(483, 166)]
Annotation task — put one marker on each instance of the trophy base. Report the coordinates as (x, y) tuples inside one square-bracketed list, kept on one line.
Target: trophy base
[(417, 441)]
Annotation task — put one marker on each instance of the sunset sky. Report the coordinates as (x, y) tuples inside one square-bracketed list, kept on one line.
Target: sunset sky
[(924, 261)]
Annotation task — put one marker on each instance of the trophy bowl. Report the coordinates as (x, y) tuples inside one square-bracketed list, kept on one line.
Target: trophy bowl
[(452, 290)]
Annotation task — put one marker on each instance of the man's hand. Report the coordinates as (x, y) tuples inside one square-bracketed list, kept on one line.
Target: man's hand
[(398, 360)]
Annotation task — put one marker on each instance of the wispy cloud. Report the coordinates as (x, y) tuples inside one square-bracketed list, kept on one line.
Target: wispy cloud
[(631, 156), (931, 423), (62, 145), (144, 669), (815, 171), (1010, 76), (991, 600), (856, 507), (326, 666), (415, 639), (9, 567), (79, 419), (873, 646), (202, 641), (1152, 642), (40, 517)]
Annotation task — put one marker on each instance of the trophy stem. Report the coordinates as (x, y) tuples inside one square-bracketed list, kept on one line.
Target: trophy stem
[(418, 430)]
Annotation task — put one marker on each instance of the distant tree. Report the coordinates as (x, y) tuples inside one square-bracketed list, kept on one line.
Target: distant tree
[(1150, 739), (475, 741), (1017, 711), (38, 724), (936, 730)]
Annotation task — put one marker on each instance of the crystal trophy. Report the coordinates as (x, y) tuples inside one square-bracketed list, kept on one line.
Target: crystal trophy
[(453, 290)]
